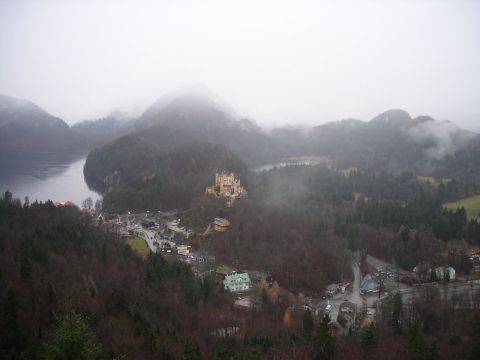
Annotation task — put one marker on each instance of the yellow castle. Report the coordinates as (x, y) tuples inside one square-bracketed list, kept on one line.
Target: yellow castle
[(226, 186)]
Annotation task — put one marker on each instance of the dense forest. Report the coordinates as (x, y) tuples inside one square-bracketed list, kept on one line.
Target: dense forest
[(73, 291), (145, 176), (301, 222), (141, 169), (70, 290)]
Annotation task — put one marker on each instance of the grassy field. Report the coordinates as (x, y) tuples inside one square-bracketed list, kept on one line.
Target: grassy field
[(433, 181), (139, 245), (471, 204), (223, 269)]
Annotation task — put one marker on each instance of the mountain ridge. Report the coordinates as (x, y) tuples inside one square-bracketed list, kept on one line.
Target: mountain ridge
[(197, 115), (27, 128)]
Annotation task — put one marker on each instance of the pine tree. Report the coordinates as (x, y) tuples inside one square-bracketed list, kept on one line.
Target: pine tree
[(307, 323), (11, 335), (51, 295), (397, 312), (369, 337), (264, 298), (72, 338), (25, 268), (323, 342), (191, 352), (473, 347), (416, 343), (431, 352)]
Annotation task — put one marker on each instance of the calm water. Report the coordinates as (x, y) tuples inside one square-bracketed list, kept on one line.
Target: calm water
[(46, 177), (281, 164)]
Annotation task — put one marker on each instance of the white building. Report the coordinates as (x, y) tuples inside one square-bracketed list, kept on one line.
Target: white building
[(183, 250), (237, 282), (441, 272)]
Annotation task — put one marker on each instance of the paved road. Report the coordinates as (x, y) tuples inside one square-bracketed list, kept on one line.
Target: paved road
[(149, 237), (451, 289), (353, 295)]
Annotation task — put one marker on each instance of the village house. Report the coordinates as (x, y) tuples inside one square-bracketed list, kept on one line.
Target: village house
[(475, 262), (332, 289), (347, 315), (174, 227), (443, 273), (237, 281), (422, 272), (347, 307), (369, 285), (183, 250), (220, 224)]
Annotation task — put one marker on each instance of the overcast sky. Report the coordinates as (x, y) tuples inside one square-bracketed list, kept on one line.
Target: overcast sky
[(279, 62)]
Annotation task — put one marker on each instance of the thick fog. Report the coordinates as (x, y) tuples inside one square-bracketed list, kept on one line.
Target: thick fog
[(280, 62)]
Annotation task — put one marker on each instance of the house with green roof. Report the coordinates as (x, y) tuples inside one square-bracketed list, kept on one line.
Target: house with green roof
[(369, 285), (237, 281)]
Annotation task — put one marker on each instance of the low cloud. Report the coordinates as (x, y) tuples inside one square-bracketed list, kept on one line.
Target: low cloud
[(444, 137)]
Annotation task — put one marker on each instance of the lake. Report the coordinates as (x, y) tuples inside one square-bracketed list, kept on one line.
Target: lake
[(293, 161), (44, 177), (59, 177)]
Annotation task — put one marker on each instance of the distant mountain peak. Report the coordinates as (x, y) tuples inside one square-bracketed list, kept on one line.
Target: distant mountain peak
[(193, 97), (27, 128), (394, 117), (8, 103), (196, 110), (422, 119)]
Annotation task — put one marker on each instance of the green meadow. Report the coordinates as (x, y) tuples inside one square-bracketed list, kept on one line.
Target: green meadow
[(139, 245), (471, 205)]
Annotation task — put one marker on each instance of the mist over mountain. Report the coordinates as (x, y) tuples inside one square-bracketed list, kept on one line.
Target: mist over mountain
[(27, 128), (320, 199), (198, 115), (392, 141), (101, 131)]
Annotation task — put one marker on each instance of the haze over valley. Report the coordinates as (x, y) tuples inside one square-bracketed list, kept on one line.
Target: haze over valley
[(251, 180)]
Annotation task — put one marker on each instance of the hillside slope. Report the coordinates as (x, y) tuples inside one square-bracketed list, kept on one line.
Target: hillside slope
[(26, 128), (197, 115), (391, 141), (138, 174), (101, 131)]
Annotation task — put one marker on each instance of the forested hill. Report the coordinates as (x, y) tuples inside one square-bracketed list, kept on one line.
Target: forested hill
[(158, 168), (390, 142), (70, 290), (198, 115), (26, 128), (104, 130), (395, 142)]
